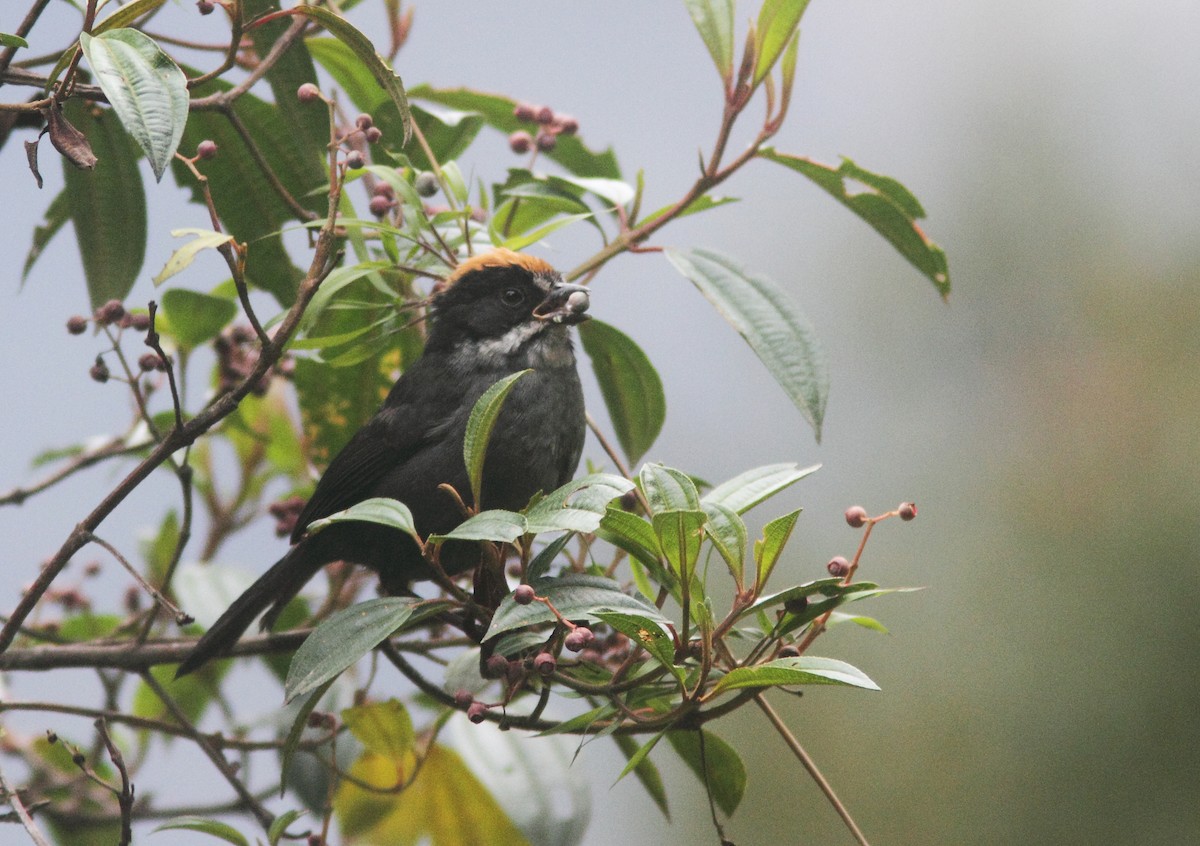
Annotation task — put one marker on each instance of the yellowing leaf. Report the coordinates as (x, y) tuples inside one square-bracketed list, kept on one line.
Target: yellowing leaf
[(445, 806)]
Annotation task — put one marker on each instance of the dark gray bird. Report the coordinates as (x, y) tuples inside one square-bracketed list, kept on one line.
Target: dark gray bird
[(497, 314)]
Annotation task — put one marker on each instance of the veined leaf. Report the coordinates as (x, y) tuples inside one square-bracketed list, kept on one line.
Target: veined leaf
[(748, 489), (887, 206), (772, 326), (204, 239), (146, 88), (716, 763), (631, 387), (714, 22), (479, 429), (577, 597), (795, 671)]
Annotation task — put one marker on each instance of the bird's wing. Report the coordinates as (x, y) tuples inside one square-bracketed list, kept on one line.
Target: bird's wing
[(411, 418)]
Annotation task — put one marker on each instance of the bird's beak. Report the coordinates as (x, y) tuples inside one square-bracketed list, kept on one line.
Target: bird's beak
[(564, 304)]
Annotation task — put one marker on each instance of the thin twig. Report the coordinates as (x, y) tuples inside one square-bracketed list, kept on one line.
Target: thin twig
[(14, 800), (114, 448), (125, 795), (264, 816), (811, 766), (21, 31), (181, 618)]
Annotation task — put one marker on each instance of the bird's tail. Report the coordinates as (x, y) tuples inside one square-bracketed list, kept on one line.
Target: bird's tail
[(274, 589)]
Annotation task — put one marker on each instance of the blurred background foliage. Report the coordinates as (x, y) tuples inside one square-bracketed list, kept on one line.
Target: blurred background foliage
[(1044, 688)]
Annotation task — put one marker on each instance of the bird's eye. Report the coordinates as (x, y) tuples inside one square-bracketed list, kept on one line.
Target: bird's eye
[(512, 297)]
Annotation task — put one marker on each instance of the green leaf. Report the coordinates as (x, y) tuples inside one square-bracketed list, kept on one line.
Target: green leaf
[(679, 537), (632, 534), (127, 15), (728, 535), (213, 828), (701, 204), (787, 69), (886, 205), (540, 565), (631, 387), (205, 240), (716, 763), (638, 758), (826, 587), (146, 88), (479, 429), (387, 512), (343, 638), (578, 506), (196, 318), (447, 131), (576, 596), (364, 51), (777, 24), (494, 525), (668, 489), (714, 22), (748, 489), (107, 205), (836, 617), (794, 671), (646, 772), (772, 326), (767, 550), (9, 40), (649, 634), (520, 242), (384, 728), (497, 112), (279, 825), (297, 731), (57, 213)]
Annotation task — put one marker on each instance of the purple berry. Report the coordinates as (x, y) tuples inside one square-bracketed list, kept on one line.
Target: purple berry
[(205, 7), (355, 161), (908, 510), (545, 664), (566, 125), (373, 134), (308, 93), (856, 516), (496, 667), (463, 698), (578, 638), (525, 112), (77, 324), (139, 321), (838, 567), (364, 121), (544, 116), (111, 312), (206, 149), (520, 142), (477, 712), (99, 371), (149, 361), (546, 141), (379, 205), (524, 594)]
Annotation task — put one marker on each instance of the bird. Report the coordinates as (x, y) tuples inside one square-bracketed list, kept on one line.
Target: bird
[(497, 313)]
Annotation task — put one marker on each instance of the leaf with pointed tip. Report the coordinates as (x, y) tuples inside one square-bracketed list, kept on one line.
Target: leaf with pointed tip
[(387, 512), (777, 24), (494, 525), (773, 327), (716, 763), (204, 239), (668, 489), (631, 387), (479, 429), (213, 828), (146, 88), (347, 635), (768, 549), (889, 207), (714, 22), (727, 532), (784, 672), (578, 506), (679, 538), (576, 596), (748, 489)]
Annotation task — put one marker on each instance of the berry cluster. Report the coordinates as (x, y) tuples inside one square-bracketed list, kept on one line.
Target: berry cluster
[(237, 356), (550, 125)]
